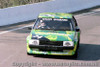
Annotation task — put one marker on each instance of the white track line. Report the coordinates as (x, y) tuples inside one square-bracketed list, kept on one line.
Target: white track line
[(84, 14), (14, 29), (77, 16)]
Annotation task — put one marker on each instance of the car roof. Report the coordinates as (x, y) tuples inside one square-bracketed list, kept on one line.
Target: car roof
[(55, 15)]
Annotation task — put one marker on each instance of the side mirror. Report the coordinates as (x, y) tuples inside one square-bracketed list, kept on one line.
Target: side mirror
[(77, 29), (29, 28)]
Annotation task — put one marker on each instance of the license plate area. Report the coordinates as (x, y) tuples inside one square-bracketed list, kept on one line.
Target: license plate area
[(50, 48)]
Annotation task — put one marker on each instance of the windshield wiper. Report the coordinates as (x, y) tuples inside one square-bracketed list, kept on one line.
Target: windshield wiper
[(61, 30), (43, 29)]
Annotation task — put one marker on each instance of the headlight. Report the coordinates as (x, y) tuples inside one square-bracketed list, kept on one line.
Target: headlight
[(34, 42), (68, 43)]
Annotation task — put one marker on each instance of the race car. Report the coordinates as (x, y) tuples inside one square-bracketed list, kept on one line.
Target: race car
[(54, 34)]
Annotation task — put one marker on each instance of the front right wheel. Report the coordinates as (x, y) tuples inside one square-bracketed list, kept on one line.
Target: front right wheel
[(76, 52), (75, 55)]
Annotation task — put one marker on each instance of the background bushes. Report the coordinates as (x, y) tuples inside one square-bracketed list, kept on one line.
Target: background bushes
[(11, 3)]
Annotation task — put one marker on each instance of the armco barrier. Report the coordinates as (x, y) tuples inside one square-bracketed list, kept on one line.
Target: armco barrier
[(28, 12)]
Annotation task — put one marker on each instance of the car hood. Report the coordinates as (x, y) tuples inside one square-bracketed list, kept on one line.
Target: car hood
[(53, 35)]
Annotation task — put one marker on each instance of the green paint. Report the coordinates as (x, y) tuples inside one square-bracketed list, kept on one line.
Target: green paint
[(55, 35), (55, 15)]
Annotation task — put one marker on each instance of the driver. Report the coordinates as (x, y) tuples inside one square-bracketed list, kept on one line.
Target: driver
[(43, 25)]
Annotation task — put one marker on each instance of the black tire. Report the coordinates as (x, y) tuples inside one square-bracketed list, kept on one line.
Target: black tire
[(78, 44), (75, 55), (29, 53)]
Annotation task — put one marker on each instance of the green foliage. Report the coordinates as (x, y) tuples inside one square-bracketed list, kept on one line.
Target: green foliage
[(11, 3)]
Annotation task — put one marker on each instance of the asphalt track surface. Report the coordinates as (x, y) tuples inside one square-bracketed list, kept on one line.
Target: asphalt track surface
[(13, 46)]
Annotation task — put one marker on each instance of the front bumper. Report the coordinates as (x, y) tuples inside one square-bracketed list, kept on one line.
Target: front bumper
[(47, 47), (54, 50)]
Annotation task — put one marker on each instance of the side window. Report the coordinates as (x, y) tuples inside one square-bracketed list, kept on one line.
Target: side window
[(75, 22), (36, 23)]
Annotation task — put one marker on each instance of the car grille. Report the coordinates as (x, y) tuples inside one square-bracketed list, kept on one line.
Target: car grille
[(51, 43)]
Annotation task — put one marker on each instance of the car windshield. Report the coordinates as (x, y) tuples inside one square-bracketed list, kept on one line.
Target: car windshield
[(53, 24)]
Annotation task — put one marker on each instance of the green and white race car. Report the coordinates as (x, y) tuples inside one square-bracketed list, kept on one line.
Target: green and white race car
[(54, 34)]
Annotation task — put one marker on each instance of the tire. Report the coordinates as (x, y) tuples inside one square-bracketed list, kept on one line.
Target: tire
[(29, 53), (78, 44), (75, 55)]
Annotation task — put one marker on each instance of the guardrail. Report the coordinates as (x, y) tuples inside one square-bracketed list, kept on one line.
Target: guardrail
[(28, 12)]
